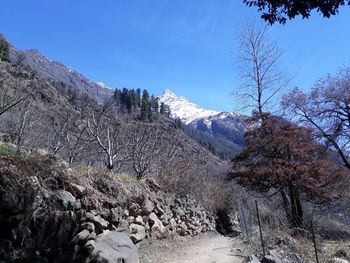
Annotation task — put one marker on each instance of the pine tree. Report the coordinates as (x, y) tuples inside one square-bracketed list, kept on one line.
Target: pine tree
[(138, 97), (4, 49), (117, 96), (145, 106), (162, 108), (155, 104)]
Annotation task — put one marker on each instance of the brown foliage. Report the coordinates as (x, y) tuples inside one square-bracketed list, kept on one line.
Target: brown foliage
[(280, 155)]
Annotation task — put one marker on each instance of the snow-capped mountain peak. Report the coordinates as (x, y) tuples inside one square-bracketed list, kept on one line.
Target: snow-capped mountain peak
[(182, 108)]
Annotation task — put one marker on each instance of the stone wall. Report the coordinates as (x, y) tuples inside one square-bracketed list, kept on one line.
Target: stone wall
[(52, 216)]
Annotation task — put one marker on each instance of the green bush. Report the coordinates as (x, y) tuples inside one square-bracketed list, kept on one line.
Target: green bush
[(125, 177), (7, 149)]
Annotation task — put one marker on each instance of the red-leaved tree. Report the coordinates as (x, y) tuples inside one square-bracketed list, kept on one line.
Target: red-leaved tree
[(281, 156)]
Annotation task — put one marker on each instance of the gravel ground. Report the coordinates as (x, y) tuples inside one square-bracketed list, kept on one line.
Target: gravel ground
[(204, 248)]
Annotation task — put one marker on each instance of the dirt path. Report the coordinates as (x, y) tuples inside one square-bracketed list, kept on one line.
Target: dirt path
[(206, 248)]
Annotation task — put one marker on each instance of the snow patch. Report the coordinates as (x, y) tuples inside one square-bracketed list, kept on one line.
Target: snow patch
[(182, 108)]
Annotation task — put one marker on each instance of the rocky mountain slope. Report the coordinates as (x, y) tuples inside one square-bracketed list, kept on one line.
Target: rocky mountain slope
[(56, 71)]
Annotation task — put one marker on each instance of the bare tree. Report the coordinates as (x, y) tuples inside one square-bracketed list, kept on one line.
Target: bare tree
[(327, 110), (259, 69), (107, 133), (22, 123), (148, 143), (68, 135), (13, 91)]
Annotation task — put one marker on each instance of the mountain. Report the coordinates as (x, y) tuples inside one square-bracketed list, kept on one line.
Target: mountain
[(182, 108), (58, 72), (226, 128)]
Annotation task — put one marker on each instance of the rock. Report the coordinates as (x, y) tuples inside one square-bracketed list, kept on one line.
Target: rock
[(153, 218), (64, 198), (139, 220), (147, 205), (99, 222), (165, 219), (123, 226), (114, 247), (125, 214), (78, 190), (270, 259), (6, 250), (134, 209), (152, 185), (88, 226), (172, 224), (81, 237), (116, 214), (130, 219), (55, 230), (37, 259), (338, 260), (77, 205), (252, 259), (37, 202), (137, 232), (11, 203), (341, 254), (286, 240), (158, 230), (181, 229)]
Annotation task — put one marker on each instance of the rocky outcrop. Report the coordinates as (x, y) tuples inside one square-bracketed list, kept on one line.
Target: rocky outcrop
[(50, 214)]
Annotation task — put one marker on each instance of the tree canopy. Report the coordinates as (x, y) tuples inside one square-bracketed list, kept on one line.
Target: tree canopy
[(281, 10), (281, 156), (326, 109)]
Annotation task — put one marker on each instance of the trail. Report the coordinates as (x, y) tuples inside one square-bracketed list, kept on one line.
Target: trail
[(217, 249), (212, 248)]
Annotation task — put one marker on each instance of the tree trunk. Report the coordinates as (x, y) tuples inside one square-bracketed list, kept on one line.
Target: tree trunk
[(110, 164), (286, 206), (296, 208)]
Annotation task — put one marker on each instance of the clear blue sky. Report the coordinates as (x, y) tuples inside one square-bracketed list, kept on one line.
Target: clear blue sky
[(185, 45)]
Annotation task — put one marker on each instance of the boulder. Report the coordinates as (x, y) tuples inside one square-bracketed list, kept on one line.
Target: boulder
[(114, 247), (81, 237), (139, 220), (78, 190), (89, 226), (153, 218), (137, 232), (147, 205), (99, 222), (158, 230), (64, 198)]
